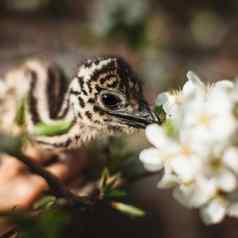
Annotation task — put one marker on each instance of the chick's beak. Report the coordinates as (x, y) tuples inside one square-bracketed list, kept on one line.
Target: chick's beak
[(143, 117), (139, 119)]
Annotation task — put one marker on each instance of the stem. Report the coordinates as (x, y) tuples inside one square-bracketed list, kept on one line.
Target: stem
[(13, 145), (9, 233), (57, 188)]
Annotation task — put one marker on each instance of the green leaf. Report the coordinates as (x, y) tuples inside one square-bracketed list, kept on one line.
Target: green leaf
[(52, 222), (115, 193), (52, 128), (45, 202), (103, 180), (160, 113), (20, 113), (128, 209), (170, 128)]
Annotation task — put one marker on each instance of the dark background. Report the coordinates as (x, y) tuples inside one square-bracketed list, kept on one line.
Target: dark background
[(162, 40)]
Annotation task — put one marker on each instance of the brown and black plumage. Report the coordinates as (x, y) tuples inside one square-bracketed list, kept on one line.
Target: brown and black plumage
[(103, 98)]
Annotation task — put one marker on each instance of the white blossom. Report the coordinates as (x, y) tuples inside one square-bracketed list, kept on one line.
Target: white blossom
[(196, 147), (214, 211), (230, 158), (151, 159), (197, 193)]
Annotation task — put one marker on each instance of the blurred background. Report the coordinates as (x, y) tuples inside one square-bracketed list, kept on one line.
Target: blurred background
[(161, 39)]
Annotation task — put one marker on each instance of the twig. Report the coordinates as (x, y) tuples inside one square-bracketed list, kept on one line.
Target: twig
[(57, 188), (13, 145), (9, 233)]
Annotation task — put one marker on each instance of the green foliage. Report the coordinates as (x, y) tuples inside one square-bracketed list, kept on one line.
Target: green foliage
[(170, 128), (20, 114), (45, 203), (52, 222), (42, 129), (108, 190), (11, 145), (128, 209), (104, 178), (115, 193), (49, 223), (52, 128), (108, 185), (160, 113)]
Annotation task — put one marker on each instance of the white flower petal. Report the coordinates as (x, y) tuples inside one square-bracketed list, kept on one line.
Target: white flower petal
[(168, 180), (222, 128), (233, 210), (231, 158), (156, 136), (184, 169), (195, 194), (151, 159), (202, 131), (214, 212), (169, 105), (226, 181), (199, 140), (188, 88), (163, 98), (224, 84), (196, 81)]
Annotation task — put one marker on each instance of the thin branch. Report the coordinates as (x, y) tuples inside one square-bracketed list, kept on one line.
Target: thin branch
[(57, 188), (9, 234), (13, 145)]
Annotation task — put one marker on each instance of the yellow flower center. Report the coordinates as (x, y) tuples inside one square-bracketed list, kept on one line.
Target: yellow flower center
[(186, 150), (205, 119), (216, 164)]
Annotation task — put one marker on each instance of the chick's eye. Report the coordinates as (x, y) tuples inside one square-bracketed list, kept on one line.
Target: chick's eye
[(111, 101)]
